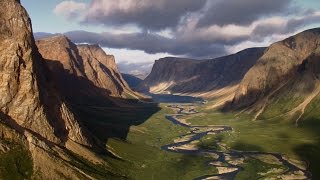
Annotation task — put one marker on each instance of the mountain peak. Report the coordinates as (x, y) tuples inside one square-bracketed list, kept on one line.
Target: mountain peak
[(280, 62), (59, 39), (85, 67), (26, 88)]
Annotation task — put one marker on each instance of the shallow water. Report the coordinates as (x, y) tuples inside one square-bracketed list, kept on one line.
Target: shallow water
[(169, 98), (195, 134)]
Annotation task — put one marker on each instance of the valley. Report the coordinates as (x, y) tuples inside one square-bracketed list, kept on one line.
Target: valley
[(211, 112), (221, 144)]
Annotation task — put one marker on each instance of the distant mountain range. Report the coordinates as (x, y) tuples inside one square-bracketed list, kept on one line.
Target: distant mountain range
[(253, 79), (205, 78)]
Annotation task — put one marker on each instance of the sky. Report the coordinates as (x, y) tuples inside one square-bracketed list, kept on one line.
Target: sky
[(138, 32)]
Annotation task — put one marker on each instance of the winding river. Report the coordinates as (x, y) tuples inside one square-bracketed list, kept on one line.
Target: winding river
[(228, 162)]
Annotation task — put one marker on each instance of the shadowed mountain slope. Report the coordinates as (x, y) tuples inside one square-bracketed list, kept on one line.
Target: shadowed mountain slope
[(83, 66), (43, 133), (205, 78), (285, 80), (26, 90), (132, 80), (278, 65)]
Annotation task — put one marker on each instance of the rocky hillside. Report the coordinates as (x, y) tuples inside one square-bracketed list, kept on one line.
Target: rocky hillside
[(284, 81), (25, 88), (200, 77), (40, 136), (84, 70)]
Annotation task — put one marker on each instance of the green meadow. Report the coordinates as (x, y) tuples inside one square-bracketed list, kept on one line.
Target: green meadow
[(142, 157)]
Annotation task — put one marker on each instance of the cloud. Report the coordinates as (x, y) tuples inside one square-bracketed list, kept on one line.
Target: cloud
[(243, 12), (189, 28), (148, 42), (283, 26), (134, 56), (146, 14), (69, 9), (200, 42), (143, 68)]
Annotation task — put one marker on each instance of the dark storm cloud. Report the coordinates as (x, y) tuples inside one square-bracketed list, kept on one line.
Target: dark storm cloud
[(146, 14), (197, 28), (148, 42), (242, 12), (264, 30), (294, 24)]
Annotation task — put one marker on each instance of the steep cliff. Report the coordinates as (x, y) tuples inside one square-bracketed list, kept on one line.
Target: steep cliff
[(101, 69), (300, 93), (37, 128), (27, 97), (39, 133), (284, 83), (84, 71), (196, 77), (276, 69)]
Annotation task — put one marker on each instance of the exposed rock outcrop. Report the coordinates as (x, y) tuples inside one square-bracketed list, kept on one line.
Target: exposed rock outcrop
[(84, 71), (276, 68), (35, 117), (28, 100), (196, 77)]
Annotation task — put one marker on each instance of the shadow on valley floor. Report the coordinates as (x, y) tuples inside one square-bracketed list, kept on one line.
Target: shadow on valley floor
[(104, 116), (310, 152), (242, 146)]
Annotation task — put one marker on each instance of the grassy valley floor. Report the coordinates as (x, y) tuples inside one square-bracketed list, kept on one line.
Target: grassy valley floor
[(142, 157)]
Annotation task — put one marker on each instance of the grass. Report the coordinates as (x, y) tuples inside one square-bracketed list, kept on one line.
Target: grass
[(269, 136), (276, 135), (143, 158), (110, 122), (280, 106), (94, 170), (310, 151), (287, 98), (139, 143), (15, 163), (254, 169), (209, 142), (147, 162)]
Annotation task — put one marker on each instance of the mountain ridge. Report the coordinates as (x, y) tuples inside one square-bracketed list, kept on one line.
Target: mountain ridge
[(281, 60), (214, 78), (86, 67)]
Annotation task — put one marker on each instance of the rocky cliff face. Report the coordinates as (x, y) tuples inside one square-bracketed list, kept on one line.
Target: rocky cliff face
[(83, 70), (189, 76), (101, 69), (36, 125), (275, 68), (27, 98)]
